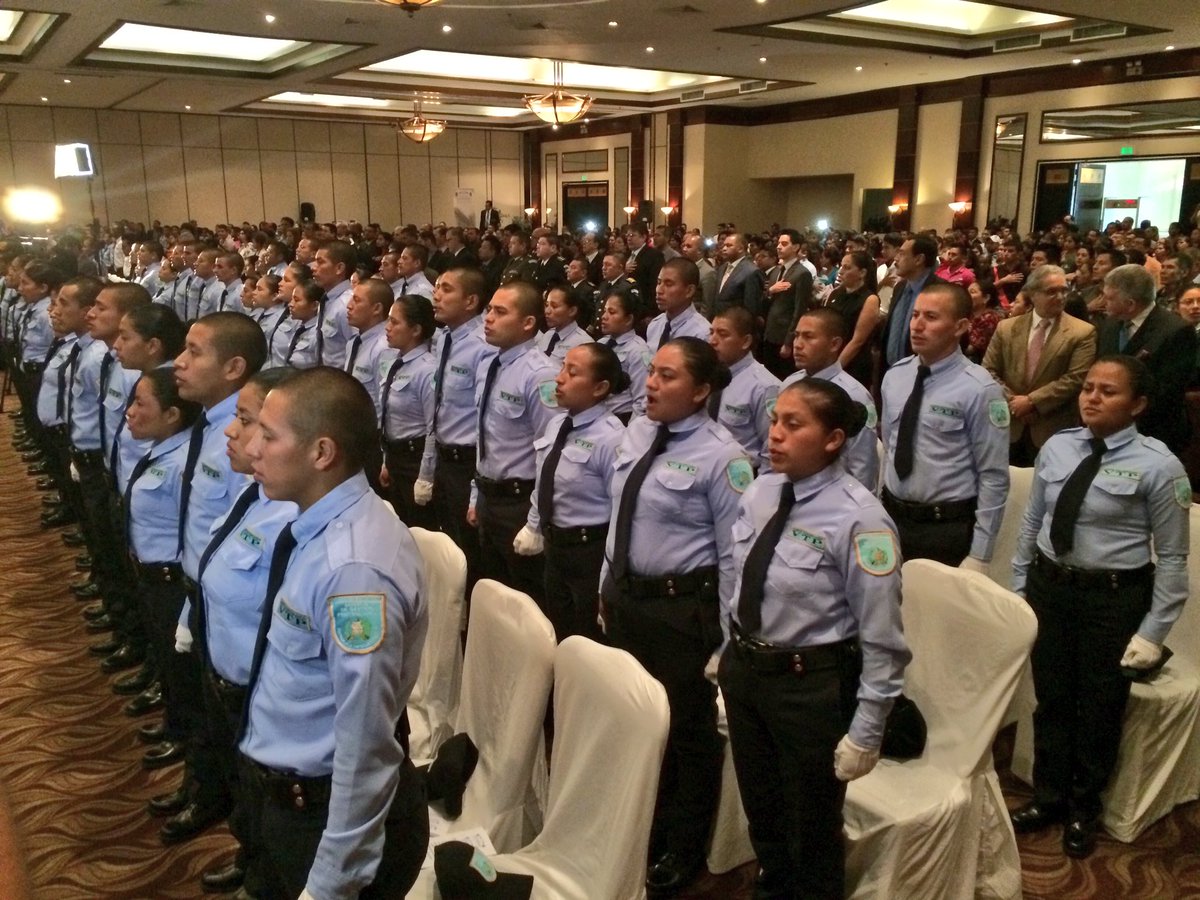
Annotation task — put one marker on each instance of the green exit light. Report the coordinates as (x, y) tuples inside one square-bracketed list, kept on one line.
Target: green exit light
[(584, 177), (1127, 151)]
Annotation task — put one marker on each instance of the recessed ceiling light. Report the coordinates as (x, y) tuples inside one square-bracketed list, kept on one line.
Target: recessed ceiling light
[(446, 29), (66, 81), (1076, 61), (612, 24), (858, 68), (45, 99), (762, 59), (187, 107), (270, 19), (1169, 47), (649, 49)]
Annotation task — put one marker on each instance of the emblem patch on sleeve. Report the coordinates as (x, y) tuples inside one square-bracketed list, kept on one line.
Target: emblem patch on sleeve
[(876, 552), (998, 413), (1183, 492), (359, 621), (872, 416), (546, 394), (740, 474)]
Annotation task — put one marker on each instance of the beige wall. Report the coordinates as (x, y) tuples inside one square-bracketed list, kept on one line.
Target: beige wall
[(937, 164), (553, 177), (229, 168), (816, 197), (727, 193)]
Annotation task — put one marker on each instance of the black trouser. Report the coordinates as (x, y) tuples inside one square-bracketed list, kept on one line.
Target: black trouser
[(133, 626), (58, 457), (673, 638), (503, 509), (1023, 452), (1083, 630), (403, 459), (925, 536), (104, 541), (162, 597), (783, 730), (777, 365), (28, 378), (210, 787), (451, 498), (572, 580), (289, 835), (222, 720)]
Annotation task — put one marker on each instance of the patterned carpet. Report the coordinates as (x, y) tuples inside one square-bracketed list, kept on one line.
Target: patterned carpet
[(69, 762)]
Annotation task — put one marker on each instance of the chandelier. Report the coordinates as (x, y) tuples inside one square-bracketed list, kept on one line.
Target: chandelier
[(558, 107), (420, 130), (410, 6)]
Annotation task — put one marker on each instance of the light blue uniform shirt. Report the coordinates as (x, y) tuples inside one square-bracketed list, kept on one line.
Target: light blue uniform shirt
[(821, 585), (179, 294), (410, 402), (860, 456), (521, 405), (210, 302), (584, 469), (1136, 511), (121, 382), (635, 357), (47, 398), (279, 339), (688, 503), (336, 332), (36, 333), (154, 502), (85, 394), (129, 450), (366, 363), (215, 486), (234, 583), (457, 419), (570, 335), (961, 443), (305, 353), (414, 284), (203, 298), (688, 323), (324, 705), (149, 279), (747, 404)]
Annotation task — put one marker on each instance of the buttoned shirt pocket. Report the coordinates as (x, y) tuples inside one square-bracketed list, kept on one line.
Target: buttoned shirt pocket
[(579, 456), (945, 424), (1111, 495), (304, 675), (240, 556), (800, 562), (735, 415), (669, 492)]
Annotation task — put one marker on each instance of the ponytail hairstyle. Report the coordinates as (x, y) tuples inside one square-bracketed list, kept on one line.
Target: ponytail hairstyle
[(832, 406), (606, 366)]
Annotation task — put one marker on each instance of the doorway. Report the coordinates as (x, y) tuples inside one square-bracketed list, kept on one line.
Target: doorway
[(585, 206), (1096, 192)]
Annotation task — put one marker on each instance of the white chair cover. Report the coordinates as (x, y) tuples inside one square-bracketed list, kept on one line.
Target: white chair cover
[(936, 827), (434, 699), (1158, 765), (730, 844)]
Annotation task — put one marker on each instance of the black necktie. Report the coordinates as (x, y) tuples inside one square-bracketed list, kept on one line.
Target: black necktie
[(1066, 510), (553, 342), (354, 347), (105, 372), (187, 299), (244, 502), (58, 342), (221, 302), (295, 341), (545, 497), (666, 335), (629, 493), (189, 469), (274, 331), (714, 405), (483, 403), (404, 287), (138, 471), (116, 442), (441, 380), (758, 560), (284, 545), (387, 392), (906, 437), (68, 365), (611, 342), (73, 365)]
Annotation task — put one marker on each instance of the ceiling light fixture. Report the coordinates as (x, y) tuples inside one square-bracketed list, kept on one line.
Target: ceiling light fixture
[(649, 49), (420, 130), (446, 29), (1169, 47), (270, 19), (1076, 61), (858, 68), (612, 24), (762, 59), (66, 81), (410, 6), (558, 107)]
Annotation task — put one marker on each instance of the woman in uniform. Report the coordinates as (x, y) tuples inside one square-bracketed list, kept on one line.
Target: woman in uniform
[(1102, 560), (617, 326), (668, 567), (279, 340), (819, 582), (563, 315), (406, 399), (305, 346), (570, 509)]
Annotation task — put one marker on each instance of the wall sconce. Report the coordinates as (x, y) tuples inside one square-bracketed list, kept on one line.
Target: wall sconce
[(897, 207), (959, 206), (629, 210), (666, 211), (530, 210)]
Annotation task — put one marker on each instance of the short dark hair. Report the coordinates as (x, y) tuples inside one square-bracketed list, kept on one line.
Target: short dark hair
[(832, 321), (958, 296), (606, 366), (687, 270), (341, 252), (528, 298), (473, 283), (740, 318), (235, 334), (128, 295), (87, 289), (418, 313), (40, 272), (701, 362), (379, 292), (925, 247), (154, 320), (832, 406), (166, 391), (327, 402), (419, 252)]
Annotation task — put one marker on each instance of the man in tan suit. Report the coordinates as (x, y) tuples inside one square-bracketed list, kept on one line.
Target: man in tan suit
[(1040, 360)]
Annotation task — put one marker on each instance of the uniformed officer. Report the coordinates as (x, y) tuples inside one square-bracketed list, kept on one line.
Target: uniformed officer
[(279, 339), (745, 406), (563, 314), (662, 584), (270, 308), (678, 283), (233, 580), (1102, 560), (618, 329), (204, 290), (820, 337), (34, 336), (615, 282), (337, 803), (179, 295), (306, 340), (331, 269), (516, 403), (367, 312), (570, 510), (406, 397), (519, 266), (945, 433), (225, 292), (816, 648)]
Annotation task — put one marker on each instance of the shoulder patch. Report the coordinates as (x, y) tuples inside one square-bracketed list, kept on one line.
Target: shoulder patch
[(1183, 492), (998, 413), (546, 394), (876, 552), (358, 621), (740, 474), (872, 415), (770, 405)]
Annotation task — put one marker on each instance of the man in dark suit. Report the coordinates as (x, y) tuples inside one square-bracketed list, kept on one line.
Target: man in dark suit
[(582, 289), (589, 248), (1137, 326), (915, 263), (739, 283), (489, 217), (491, 263), (458, 253), (549, 270), (788, 297), (644, 260)]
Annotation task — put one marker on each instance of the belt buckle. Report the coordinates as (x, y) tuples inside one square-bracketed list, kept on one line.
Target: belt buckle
[(670, 587), (297, 795), (583, 535), (937, 513), (796, 664)]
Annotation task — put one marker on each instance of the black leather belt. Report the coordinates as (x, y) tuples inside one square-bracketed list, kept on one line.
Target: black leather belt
[(770, 659), (405, 446), (32, 368), (287, 789), (87, 457), (681, 585), (1091, 578), (456, 453), (190, 586), (159, 572), (950, 511), (505, 487), (576, 535), (224, 686)]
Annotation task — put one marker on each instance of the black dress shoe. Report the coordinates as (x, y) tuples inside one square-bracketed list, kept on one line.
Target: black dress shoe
[(224, 880), (1079, 838), (52, 499), (169, 804), (162, 755), (147, 701), (45, 483), (1034, 816), (86, 589), (95, 611), (39, 468), (105, 648), (104, 623), (32, 456), (128, 685), (189, 823), (58, 516), (83, 562), (126, 657), (671, 874), (74, 539), (153, 734)]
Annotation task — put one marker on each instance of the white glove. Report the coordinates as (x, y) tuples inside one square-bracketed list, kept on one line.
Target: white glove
[(528, 542), (74, 473), (971, 564), (710, 667), (1141, 653), (422, 492), (851, 761), (183, 639)]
